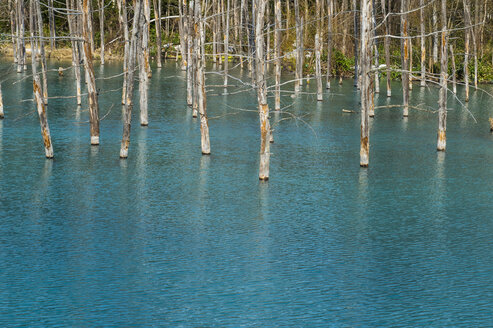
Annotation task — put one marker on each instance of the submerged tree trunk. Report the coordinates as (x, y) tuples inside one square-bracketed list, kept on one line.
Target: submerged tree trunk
[(43, 119), (51, 18), (226, 46), (442, 110), (405, 57), (366, 11), (76, 57), (126, 50), (41, 52), (136, 26), (262, 92), (202, 100), (91, 80), (356, 32), (454, 78)]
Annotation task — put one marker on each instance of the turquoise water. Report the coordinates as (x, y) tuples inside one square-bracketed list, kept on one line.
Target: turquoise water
[(172, 238)]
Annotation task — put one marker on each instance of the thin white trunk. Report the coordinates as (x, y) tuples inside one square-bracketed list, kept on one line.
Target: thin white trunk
[(366, 12), (442, 110), (318, 68)]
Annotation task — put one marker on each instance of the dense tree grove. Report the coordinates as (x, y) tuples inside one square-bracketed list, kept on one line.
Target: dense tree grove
[(432, 42)]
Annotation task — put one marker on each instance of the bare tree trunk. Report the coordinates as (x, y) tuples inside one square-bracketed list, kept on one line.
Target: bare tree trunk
[(190, 67), (202, 100), (183, 28), (146, 36), (475, 40), (143, 76), (435, 35), (90, 29), (454, 77), (442, 111), (226, 47), (13, 28), (405, 57), (330, 12), (299, 46), (387, 47), (91, 80), (242, 9), (38, 93), (42, 52), (262, 92), (101, 29), (75, 50), (157, 17), (410, 41), (422, 38), (277, 45), (366, 10), (376, 79), (467, 32), (21, 48), (318, 68), (356, 27), (51, 18), (126, 50), (1, 103), (136, 25)]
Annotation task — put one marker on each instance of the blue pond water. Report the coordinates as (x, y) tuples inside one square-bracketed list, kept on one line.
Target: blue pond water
[(172, 238)]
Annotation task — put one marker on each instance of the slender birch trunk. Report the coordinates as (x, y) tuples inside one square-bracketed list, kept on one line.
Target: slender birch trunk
[(202, 100), (143, 76), (277, 45), (101, 29), (330, 12), (405, 57), (442, 111), (91, 79), (157, 17), (366, 10), (318, 68), (422, 39), (136, 26), (262, 92)]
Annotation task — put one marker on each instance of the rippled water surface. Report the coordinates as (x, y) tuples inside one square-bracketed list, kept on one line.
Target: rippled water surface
[(172, 238)]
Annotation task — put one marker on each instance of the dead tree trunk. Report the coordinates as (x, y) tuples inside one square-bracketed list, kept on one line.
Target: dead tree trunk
[(405, 57), (467, 32), (226, 46), (126, 50), (91, 80), (277, 45), (356, 27), (454, 78), (318, 68), (41, 52), (13, 27), (202, 100), (262, 91), (21, 48), (299, 51), (51, 18), (366, 11), (442, 110), (435, 35), (136, 26), (387, 47), (190, 67), (330, 12), (101, 29), (72, 24), (183, 28), (376, 80), (157, 17), (422, 38)]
